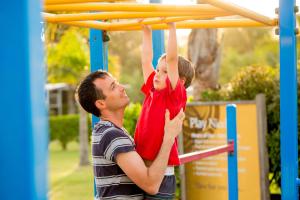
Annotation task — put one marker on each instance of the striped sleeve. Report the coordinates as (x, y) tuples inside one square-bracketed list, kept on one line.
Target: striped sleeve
[(115, 142)]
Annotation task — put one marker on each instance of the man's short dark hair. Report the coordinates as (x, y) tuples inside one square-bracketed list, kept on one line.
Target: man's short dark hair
[(88, 94)]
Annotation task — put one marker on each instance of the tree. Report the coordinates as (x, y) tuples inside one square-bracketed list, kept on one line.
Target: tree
[(126, 46), (67, 60), (83, 138), (243, 47), (204, 50)]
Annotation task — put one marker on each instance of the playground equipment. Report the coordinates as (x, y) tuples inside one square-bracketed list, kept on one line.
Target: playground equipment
[(230, 149), (156, 15), (24, 129)]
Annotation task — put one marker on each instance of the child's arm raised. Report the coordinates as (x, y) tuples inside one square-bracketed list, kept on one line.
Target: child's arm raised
[(172, 57), (147, 52)]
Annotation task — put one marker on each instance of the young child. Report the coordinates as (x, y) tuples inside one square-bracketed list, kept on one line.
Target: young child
[(164, 89)]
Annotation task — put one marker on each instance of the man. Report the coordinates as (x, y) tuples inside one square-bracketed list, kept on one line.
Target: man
[(119, 171)]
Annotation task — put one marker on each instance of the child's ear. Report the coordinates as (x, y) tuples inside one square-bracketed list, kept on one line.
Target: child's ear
[(100, 104), (183, 80)]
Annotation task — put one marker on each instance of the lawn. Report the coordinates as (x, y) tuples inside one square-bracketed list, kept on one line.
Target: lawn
[(68, 181)]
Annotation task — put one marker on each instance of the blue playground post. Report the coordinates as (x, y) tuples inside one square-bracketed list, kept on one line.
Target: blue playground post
[(24, 122), (232, 157), (98, 60), (157, 41), (98, 56), (288, 101)]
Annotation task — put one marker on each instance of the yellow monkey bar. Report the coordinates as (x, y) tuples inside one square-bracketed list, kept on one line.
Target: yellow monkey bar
[(240, 11), (128, 15), (47, 2), (131, 7), (225, 23), (185, 16)]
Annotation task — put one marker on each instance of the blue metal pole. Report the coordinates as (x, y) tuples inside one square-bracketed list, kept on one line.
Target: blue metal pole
[(98, 60), (232, 157), (288, 101), (157, 41), (23, 131), (98, 56)]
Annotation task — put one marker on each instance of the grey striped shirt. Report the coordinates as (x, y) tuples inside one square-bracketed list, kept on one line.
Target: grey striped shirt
[(111, 182)]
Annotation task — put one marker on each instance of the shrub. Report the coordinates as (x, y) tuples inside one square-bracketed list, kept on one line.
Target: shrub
[(131, 116), (65, 128), (245, 85), (253, 80), (274, 135), (215, 95)]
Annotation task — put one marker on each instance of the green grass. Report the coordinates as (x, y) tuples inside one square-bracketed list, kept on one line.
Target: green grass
[(68, 181)]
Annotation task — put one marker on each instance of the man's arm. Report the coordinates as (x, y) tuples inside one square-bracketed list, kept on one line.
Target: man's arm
[(150, 178), (172, 57), (147, 52)]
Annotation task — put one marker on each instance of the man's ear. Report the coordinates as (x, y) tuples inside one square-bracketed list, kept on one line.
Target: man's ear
[(100, 104)]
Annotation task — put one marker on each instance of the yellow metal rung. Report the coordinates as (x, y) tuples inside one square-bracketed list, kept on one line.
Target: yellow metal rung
[(81, 1), (133, 7), (225, 23), (240, 11), (122, 15)]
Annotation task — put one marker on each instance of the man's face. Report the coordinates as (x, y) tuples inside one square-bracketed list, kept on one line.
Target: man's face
[(115, 93), (159, 81)]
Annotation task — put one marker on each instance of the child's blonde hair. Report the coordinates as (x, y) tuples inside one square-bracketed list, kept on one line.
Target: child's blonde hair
[(185, 69)]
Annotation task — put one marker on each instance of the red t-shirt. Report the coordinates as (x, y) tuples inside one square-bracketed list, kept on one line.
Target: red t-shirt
[(149, 131)]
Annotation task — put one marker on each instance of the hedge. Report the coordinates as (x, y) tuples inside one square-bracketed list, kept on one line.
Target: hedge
[(65, 128)]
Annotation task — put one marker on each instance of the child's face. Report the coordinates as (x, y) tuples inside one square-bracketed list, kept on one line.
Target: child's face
[(160, 77)]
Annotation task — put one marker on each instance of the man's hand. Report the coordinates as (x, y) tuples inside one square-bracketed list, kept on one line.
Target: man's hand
[(173, 127)]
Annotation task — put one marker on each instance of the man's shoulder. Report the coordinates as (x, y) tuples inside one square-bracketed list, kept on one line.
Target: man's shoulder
[(109, 140), (105, 130), (103, 127)]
